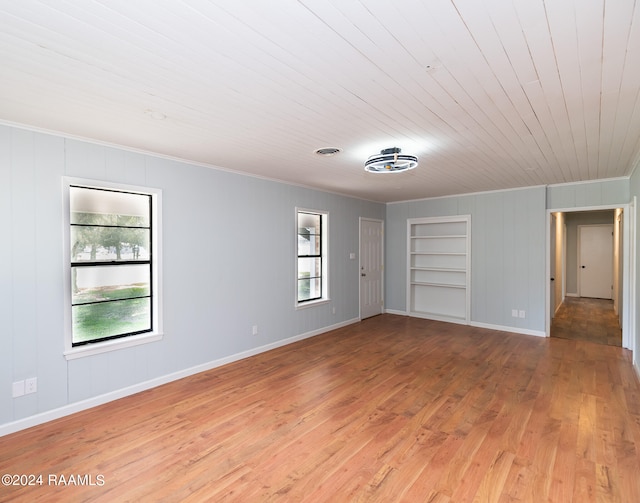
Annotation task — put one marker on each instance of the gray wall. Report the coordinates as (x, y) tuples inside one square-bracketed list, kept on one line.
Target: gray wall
[(588, 194), (228, 264), (507, 253)]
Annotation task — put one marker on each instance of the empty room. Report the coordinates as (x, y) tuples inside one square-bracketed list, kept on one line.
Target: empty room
[(319, 250)]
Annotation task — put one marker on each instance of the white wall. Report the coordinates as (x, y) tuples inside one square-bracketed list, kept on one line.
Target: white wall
[(228, 264)]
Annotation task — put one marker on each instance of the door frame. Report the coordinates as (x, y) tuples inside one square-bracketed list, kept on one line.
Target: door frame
[(382, 244), (628, 268)]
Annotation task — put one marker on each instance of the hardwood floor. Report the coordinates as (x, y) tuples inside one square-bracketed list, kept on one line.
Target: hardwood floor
[(586, 319), (389, 409)]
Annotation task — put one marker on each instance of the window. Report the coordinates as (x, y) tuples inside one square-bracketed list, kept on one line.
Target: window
[(112, 283), (312, 284)]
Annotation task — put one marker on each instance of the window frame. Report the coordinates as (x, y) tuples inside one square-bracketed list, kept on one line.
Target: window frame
[(324, 258), (72, 351)]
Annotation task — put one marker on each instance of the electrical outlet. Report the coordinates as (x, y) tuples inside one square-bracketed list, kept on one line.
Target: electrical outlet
[(521, 314), (514, 313), (18, 389), (254, 330), (30, 385)]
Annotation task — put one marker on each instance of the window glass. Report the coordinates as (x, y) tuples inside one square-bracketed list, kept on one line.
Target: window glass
[(311, 260), (111, 269)]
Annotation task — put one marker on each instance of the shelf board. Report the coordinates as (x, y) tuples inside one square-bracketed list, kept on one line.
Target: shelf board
[(443, 269), (439, 316), (457, 236), (459, 254), (439, 285)]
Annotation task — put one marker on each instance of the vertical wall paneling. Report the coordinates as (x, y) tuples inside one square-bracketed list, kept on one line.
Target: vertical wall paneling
[(22, 237), (6, 268), (51, 372), (587, 194), (395, 254), (507, 254), (228, 262)]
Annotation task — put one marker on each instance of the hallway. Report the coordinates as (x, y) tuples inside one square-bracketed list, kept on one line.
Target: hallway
[(585, 319)]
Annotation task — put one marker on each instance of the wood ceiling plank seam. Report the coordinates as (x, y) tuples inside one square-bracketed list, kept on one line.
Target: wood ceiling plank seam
[(172, 72), (114, 102), (437, 70), (630, 77), (535, 94), (82, 72), (535, 25), (373, 59), (627, 123), (391, 15), (630, 144), (71, 49), (390, 50), (590, 39), (563, 30), (478, 22), (617, 27), (479, 107), (511, 34)]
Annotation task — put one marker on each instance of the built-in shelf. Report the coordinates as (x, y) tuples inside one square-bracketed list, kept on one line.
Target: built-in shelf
[(438, 272)]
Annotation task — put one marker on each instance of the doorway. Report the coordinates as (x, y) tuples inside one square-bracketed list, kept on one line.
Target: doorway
[(371, 267), (586, 263)]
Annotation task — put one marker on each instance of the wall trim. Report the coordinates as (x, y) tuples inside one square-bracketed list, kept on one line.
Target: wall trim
[(151, 153), (72, 408), (490, 326), (585, 182), (514, 330), (467, 194)]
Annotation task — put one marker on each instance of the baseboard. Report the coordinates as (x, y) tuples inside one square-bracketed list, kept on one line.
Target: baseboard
[(72, 408), (571, 295), (515, 330)]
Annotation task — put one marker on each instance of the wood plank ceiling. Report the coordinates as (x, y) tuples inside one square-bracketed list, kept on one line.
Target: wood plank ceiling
[(490, 95)]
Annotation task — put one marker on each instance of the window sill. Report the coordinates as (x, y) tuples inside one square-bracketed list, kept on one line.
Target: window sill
[(312, 303), (104, 347)]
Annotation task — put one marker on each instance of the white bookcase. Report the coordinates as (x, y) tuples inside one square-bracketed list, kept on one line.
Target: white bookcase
[(439, 268)]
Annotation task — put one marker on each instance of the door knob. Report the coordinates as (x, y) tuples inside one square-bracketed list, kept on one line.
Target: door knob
[(584, 266)]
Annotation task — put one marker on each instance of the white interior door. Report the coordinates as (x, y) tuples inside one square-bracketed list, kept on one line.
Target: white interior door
[(596, 261), (371, 267)]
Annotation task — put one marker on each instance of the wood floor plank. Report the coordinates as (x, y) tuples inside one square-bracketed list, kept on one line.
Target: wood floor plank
[(389, 409)]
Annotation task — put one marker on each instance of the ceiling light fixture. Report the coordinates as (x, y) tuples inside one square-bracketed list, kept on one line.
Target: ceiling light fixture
[(390, 160)]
